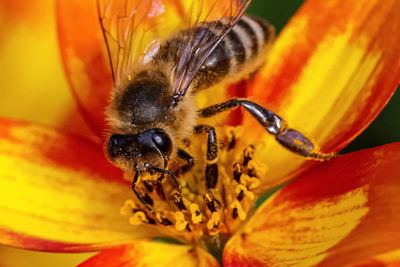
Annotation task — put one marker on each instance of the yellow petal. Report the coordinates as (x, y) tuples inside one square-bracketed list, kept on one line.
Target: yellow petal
[(33, 85), (58, 192), (13, 257), (343, 212)]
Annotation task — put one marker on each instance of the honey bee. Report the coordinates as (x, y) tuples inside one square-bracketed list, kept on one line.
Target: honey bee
[(152, 104)]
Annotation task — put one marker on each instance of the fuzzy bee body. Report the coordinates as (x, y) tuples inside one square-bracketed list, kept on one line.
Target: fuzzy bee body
[(152, 105), (241, 52), (142, 102)]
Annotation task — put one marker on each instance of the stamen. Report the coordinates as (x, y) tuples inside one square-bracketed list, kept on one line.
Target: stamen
[(213, 223), (140, 217), (237, 171), (241, 189), (161, 219), (128, 207), (178, 201), (212, 203), (248, 154), (215, 195), (239, 210), (196, 214), (180, 222)]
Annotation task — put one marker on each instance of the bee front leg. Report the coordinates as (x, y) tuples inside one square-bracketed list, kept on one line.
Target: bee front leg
[(275, 125), (212, 153), (143, 198)]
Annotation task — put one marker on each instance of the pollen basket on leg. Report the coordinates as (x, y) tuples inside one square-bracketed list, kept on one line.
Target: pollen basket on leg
[(198, 211)]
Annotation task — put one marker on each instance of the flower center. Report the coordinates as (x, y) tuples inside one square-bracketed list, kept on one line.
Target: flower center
[(194, 212)]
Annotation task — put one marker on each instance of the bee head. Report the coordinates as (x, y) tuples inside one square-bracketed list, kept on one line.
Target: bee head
[(140, 151)]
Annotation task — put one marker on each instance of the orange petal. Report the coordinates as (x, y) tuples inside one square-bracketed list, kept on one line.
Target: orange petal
[(85, 58), (58, 192), (388, 259), (345, 211), (143, 253), (329, 74)]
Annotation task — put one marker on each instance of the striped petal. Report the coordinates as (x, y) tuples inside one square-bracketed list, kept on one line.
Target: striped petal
[(342, 212), (330, 73), (58, 193), (152, 254)]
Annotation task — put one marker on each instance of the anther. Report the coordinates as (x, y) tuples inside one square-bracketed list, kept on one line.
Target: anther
[(239, 210), (196, 214), (241, 189), (161, 219), (237, 171), (235, 213), (180, 222), (140, 217), (212, 204), (240, 196), (248, 154), (178, 201), (213, 223)]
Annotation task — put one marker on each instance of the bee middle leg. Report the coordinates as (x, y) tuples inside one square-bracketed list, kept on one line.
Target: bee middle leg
[(289, 138), (212, 153), (188, 158)]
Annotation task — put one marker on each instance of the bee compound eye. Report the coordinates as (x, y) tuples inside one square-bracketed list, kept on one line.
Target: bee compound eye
[(162, 141)]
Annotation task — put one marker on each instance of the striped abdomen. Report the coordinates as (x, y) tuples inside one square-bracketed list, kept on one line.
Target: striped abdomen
[(241, 53)]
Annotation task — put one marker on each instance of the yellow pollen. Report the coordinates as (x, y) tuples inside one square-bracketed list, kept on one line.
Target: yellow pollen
[(214, 221), (242, 188), (242, 215), (129, 77), (127, 208), (249, 152), (258, 167), (180, 223), (138, 218), (196, 214), (160, 218)]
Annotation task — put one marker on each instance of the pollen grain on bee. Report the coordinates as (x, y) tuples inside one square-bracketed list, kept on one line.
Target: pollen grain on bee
[(197, 212)]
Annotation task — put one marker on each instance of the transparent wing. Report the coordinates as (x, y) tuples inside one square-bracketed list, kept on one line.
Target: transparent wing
[(132, 27), (195, 47)]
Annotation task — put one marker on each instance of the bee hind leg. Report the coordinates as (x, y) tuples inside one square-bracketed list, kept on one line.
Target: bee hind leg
[(289, 138), (211, 172)]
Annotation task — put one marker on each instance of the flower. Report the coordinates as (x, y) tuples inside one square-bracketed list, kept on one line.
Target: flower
[(59, 193)]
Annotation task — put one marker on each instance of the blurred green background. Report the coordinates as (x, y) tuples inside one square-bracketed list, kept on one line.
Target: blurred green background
[(385, 128)]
